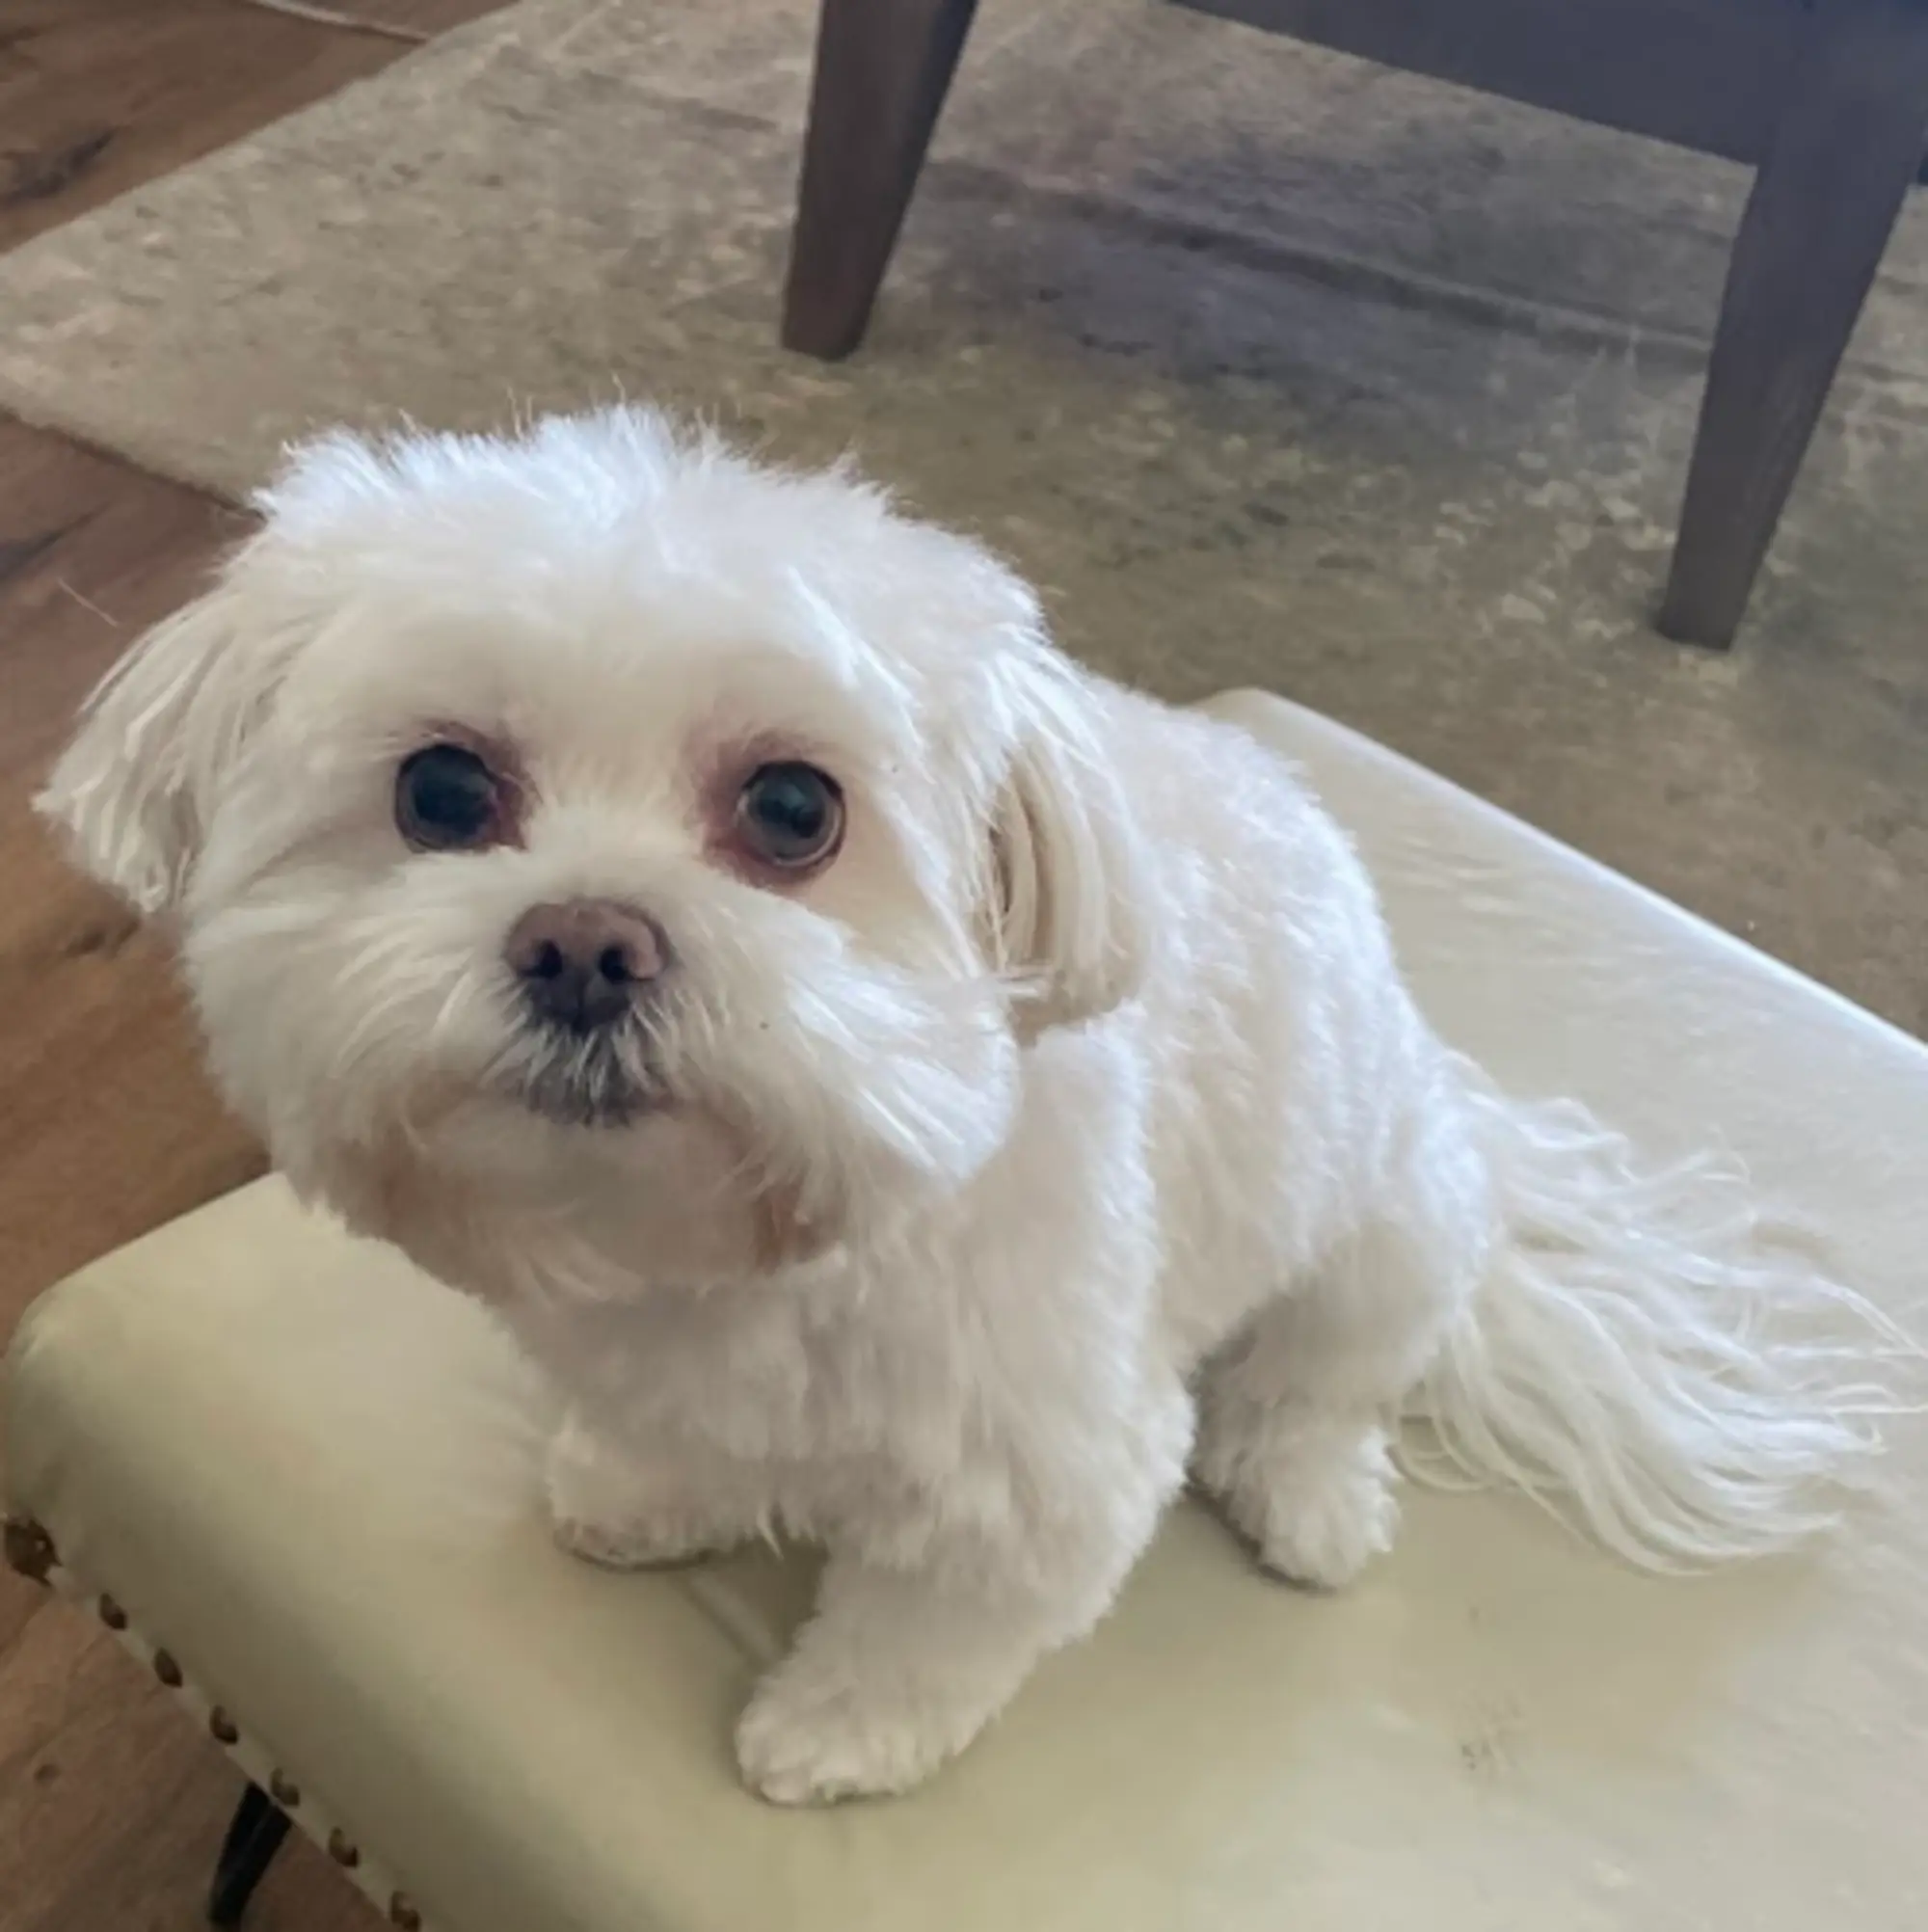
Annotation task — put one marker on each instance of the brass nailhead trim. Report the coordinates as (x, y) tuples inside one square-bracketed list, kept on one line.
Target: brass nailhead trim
[(29, 1548), (402, 1912)]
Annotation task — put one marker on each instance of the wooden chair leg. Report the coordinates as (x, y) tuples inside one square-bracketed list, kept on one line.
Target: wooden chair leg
[(1825, 199), (883, 67)]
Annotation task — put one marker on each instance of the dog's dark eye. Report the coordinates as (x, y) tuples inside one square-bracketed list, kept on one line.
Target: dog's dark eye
[(447, 800), (791, 816)]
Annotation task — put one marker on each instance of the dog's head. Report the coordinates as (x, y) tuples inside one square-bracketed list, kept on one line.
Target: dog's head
[(596, 810)]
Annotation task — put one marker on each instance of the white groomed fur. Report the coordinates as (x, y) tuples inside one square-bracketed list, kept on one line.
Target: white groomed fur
[(1072, 1132)]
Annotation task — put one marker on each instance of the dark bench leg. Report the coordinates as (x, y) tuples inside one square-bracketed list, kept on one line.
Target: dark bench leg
[(883, 67), (253, 1840), (1824, 202)]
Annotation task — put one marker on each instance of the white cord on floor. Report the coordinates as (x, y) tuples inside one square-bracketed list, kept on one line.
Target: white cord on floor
[(354, 23)]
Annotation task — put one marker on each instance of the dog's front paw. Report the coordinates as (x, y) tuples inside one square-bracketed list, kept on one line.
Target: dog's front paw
[(806, 1739), (611, 1511)]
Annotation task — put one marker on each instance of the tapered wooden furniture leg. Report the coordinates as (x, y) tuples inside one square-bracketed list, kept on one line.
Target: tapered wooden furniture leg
[(883, 67)]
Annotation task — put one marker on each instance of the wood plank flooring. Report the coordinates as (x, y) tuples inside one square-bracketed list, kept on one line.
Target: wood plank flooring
[(111, 1806), (98, 96)]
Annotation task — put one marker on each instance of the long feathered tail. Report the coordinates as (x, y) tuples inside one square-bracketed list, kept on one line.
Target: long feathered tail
[(1647, 1357)]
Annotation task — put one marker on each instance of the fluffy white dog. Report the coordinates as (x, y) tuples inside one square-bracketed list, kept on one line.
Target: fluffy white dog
[(909, 1094)]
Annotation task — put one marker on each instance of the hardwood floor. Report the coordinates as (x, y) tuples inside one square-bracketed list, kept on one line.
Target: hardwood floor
[(98, 96), (111, 1806)]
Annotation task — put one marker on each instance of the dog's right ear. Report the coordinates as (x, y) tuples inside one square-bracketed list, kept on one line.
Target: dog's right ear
[(133, 790)]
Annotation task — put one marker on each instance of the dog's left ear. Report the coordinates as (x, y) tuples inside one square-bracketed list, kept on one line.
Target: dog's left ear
[(1072, 914), (132, 790)]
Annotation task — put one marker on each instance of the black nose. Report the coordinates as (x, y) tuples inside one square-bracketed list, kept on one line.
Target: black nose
[(582, 964)]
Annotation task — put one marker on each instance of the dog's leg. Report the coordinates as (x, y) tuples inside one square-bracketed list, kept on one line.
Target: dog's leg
[(900, 1669), (628, 1509), (1297, 1415), (924, 1631)]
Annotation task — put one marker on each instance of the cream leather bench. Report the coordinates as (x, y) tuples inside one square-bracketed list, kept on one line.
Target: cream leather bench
[(296, 1479)]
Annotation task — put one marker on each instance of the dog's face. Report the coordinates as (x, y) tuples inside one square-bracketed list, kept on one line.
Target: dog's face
[(593, 815)]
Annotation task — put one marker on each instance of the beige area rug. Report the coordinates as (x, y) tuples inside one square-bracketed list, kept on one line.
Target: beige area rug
[(1271, 368)]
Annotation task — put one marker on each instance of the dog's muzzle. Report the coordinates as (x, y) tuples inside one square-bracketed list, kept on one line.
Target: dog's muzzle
[(587, 969)]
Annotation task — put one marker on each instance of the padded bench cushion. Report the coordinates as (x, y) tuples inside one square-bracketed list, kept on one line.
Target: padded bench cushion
[(306, 1474)]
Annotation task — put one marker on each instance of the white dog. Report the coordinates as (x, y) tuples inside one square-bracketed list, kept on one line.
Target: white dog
[(909, 1094)]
